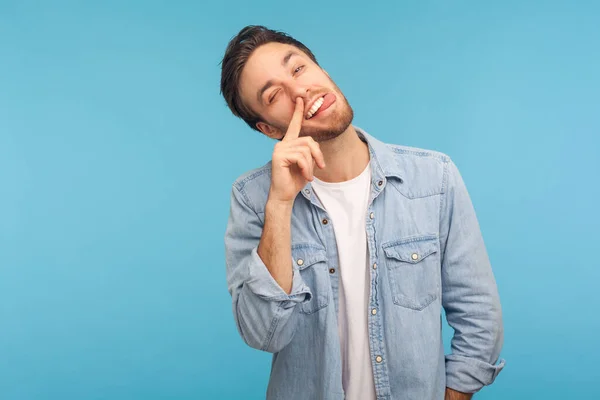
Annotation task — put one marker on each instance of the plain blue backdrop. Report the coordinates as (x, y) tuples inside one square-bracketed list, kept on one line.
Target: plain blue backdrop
[(117, 156)]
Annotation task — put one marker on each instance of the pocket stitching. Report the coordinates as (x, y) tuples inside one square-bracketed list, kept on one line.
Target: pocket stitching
[(317, 255), (409, 260), (398, 298)]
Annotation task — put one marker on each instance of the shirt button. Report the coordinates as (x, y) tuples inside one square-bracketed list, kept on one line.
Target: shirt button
[(300, 261), (331, 270), (414, 256), (325, 222), (374, 311), (307, 191), (379, 183), (372, 215), (378, 359), (375, 266)]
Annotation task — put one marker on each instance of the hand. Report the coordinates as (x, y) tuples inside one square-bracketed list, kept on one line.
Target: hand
[(452, 394), (293, 160)]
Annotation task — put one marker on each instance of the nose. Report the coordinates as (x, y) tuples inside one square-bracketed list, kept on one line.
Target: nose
[(297, 89)]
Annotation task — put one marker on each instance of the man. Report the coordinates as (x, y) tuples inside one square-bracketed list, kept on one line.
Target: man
[(342, 250)]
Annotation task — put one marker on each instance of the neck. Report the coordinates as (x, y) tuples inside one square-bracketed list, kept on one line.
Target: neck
[(346, 157)]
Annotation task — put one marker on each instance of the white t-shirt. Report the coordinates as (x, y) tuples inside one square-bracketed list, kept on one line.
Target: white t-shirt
[(346, 203)]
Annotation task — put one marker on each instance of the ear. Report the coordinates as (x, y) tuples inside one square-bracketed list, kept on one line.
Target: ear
[(269, 130)]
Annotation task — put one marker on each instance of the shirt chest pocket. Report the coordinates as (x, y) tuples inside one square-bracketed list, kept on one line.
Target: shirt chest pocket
[(311, 262), (413, 270)]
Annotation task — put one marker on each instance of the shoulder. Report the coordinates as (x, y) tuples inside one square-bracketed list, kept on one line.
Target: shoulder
[(422, 172), (417, 153), (406, 160), (254, 185)]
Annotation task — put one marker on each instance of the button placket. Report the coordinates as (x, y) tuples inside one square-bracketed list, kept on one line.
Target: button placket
[(374, 326)]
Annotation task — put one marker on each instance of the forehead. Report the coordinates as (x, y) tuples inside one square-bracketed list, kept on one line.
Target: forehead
[(263, 64), (268, 57)]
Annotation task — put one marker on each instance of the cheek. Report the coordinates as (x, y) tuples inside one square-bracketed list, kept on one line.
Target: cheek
[(281, 113)]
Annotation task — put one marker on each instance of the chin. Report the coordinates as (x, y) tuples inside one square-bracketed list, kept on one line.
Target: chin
[(339, 125)]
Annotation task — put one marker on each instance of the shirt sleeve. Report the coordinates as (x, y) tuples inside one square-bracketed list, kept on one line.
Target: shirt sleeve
[(469, 291), (263, 312)]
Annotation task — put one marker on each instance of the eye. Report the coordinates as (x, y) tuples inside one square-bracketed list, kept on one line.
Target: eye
[(273, 96), (300, 68)]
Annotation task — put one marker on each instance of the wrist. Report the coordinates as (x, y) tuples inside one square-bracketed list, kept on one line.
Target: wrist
[(278, 206), (452, 394)]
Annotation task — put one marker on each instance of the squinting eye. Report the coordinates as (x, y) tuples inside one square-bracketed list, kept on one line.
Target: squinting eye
[(298, 69), (273, 97)]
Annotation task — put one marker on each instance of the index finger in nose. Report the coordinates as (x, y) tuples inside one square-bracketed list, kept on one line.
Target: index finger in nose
[(293, 130)]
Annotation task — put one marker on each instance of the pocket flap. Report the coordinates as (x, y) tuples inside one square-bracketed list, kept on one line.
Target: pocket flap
[(411, 250), (304, 255)]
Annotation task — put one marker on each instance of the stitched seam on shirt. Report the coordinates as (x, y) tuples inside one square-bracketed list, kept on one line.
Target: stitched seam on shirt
[(243, 325), (475, 362), (274, 323), (443, 200), (412, 239), (247, 202), (398, 149), (253, 175), (374, 158)]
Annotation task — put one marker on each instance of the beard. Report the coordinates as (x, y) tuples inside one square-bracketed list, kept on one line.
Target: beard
[(336, 123)]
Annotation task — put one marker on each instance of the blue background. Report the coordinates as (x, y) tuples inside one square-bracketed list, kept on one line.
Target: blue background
[(117, 156)]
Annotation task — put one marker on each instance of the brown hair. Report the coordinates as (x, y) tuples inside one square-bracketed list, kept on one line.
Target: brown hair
[(236, 55)]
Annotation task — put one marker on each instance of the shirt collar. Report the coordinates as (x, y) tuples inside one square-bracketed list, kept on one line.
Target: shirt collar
[(383, 163), (382, 156)]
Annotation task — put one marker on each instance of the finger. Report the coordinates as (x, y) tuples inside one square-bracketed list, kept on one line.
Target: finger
[(304, 154), (301, 148), (310, 163), (307, 171), (316, 152), (312, 146), (293, 130), (300, 160)]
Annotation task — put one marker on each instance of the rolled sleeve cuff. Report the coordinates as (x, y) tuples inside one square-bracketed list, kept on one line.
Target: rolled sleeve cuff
[(262, 283), (469, 375)]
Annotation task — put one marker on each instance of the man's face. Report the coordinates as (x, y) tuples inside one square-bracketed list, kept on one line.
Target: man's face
[(275, 75)]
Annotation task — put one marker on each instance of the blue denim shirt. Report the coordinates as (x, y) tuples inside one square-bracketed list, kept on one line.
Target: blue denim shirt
[(425, 251)]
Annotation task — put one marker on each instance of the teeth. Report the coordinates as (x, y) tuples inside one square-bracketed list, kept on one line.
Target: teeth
[(315, 107)]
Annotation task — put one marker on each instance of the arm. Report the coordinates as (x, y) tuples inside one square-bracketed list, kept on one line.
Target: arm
[(469, 292), (454, 395), (263, 311), (275, 248), (262, 282)]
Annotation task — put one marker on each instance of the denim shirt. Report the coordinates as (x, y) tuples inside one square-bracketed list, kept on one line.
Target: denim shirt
[(426, 251)]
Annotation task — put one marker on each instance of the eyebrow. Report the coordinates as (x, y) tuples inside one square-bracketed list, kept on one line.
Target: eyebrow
[(287, 57), (269, 83)]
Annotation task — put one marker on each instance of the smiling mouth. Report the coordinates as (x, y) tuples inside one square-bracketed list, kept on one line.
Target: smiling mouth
[(315, 107)]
